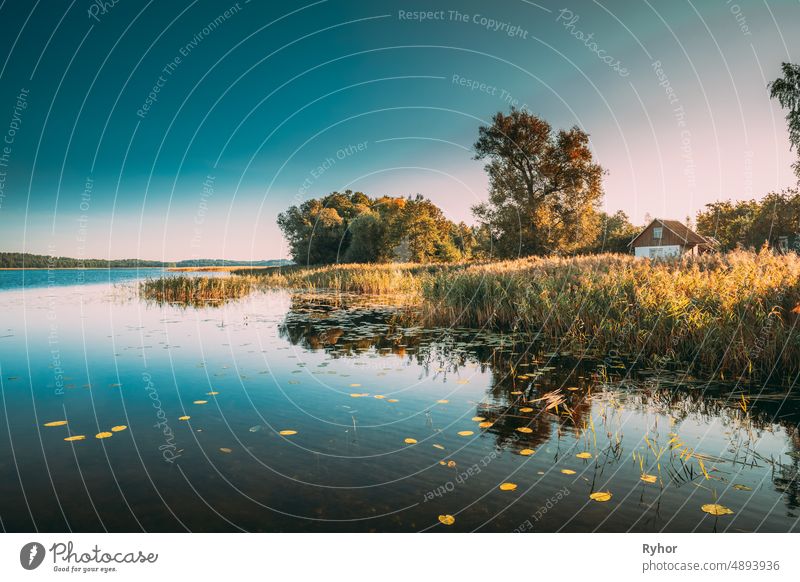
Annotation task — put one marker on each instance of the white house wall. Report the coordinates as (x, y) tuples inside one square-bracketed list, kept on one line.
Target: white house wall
[(656, 252)]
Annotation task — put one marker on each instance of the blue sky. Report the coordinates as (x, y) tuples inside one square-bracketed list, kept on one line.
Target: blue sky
[(271, 103)]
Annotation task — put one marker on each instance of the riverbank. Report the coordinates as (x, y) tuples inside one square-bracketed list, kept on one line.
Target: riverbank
[(727, 314)]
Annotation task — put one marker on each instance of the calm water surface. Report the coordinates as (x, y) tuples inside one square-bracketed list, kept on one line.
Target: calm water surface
[(355, 382)]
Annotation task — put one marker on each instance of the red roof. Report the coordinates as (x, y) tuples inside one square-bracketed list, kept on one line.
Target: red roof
[(678, 228)]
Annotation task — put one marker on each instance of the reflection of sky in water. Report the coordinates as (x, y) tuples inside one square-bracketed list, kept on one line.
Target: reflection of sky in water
[(37, 278), (347, 468)]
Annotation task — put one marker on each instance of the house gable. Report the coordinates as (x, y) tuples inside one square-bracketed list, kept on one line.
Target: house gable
[(673, 232)]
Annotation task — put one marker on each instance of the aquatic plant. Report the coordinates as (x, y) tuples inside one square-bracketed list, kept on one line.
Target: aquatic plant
[(731, 313), (373, 279), (197, 291)]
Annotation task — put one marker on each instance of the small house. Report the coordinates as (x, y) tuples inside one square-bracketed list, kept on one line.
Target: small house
[(669, 238)]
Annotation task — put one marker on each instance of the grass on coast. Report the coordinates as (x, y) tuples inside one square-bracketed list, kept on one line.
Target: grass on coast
[(733, 313)]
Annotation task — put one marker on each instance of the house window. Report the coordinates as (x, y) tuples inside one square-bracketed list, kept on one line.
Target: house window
[(658, 232)]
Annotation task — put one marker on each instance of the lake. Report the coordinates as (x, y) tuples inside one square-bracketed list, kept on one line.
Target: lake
[(284, 412)]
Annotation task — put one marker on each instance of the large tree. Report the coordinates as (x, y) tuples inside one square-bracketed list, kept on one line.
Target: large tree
[(545, 187), (318, 229), (786, 90), (352, 227)]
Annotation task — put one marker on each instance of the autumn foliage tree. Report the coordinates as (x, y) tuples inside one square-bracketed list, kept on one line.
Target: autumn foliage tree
[(545, 187)]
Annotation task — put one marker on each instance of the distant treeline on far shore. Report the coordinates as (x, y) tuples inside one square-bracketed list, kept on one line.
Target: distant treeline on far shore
[(31, 261)]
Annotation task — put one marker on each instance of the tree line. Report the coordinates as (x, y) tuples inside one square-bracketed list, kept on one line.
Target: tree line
[(33, 261), (545, 191), (545, 195), (774, 220), (353, 227)]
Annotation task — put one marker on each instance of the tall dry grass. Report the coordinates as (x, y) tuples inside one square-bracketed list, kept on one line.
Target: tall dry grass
[(196, 291), (369, 279), (732, 312)]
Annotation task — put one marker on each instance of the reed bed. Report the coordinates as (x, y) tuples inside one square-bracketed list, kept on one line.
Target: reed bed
[(734, 313), (369, 279), (196, 290)]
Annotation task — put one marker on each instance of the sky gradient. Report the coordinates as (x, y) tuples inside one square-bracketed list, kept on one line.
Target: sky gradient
[(180, 130)]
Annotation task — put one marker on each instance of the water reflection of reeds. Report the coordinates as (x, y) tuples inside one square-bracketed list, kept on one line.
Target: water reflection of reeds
[(554, 395)]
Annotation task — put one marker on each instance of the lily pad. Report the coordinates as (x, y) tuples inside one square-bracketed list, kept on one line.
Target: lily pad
[(716, 509)]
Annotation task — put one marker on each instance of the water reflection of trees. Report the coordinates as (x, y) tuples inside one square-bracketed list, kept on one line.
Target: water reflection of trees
[(524, 375)]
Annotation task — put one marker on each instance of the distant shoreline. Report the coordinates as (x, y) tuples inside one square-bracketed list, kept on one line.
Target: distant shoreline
[(74, 268), (205, 268)]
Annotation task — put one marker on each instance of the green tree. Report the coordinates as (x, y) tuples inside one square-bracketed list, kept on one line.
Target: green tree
[(422, 234), (545, 187), (615, 232), (751, 223), (366, 237), (786, 90), (352, 227)]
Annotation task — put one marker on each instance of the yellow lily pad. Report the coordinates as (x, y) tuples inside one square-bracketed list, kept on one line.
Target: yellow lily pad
[(648, 478), (447, 519), (525, 429), (410, 441), (440, 447), (716, 509), (568, 471), (478, 418), (486, 424), (77, 437), (584, 455), (526, 452), (465, 433), (742, 487), (287, 432), (103, 435), (508, 486), (379, 396), (201, 401), (212, 393), (526, 409), (225, 450), (442, 401), (600, 496), (392, 400), (184, 417), (56, 423)]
